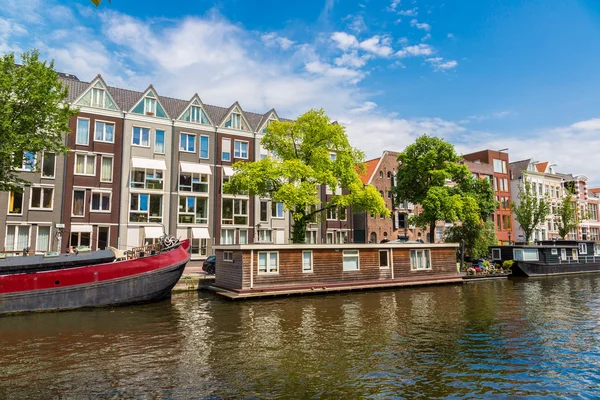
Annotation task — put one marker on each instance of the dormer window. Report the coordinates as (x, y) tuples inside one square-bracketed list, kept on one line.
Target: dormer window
[(197, 115), (267, 124), (234, 122), (98, 96), (149, 106)]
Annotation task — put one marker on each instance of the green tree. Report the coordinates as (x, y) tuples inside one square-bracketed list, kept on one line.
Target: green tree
[(430, 174), (529, 211), (566, 213), (307, 153), (34, 115), (477, 238)]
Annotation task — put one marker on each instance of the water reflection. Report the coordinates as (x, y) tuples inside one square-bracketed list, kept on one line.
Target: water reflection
[(519, 337)]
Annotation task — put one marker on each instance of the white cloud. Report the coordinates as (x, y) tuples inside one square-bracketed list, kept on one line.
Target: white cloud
[(344, 40), (408, 13), (273, 40), (485, 117), (423, 26), (426, 37), (365, 107), (440, 64), (357, 23), (393, 5), (450, 36), (377, 45), (352, 60), (352, 76), (416, 50)]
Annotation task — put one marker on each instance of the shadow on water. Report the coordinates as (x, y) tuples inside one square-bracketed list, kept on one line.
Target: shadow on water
[(507, 337)]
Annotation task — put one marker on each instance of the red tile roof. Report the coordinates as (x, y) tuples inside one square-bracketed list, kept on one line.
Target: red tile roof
[(370, 166), (595, 190), (541, 167)]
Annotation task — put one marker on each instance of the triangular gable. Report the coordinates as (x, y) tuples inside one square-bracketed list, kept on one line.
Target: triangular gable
[(98, 96), (230, 119), (195, 112), (270, 116), (150, 105)]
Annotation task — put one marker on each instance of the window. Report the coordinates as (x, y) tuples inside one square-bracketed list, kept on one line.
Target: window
[(193, 182), (554, 252), (497, 166), (540, 189), (329, 237), (243, 237), (105, 132), (235, 212), (592, 212), (103, 237), (28, 163), (342, 213), (228, 256), (227, 236), (197, 115), (83, 132), (78, 209), (187, 142), (496, 254), (159, 142), (263, 211), (307, 261), (106, 169), (48, 165), (439, 233), (350, 260), (141, 137), (43, 239), (276, 210), (268, 262), (342, 236), (332, 214), (389, 175), (41, 198), (310, 237), (98, 96), (384, 259), (389, 194), (594, 233), (234, 122), (506, 222), (17, 237), (226, 149), (193, 210), (145, 207), (582, 248), (100, 201), (15, 203), (199, 247), (146, 178), (149, 105), (240, 149), (574, 253), (525, 255), (265, 235), (85, 164), (80, 239), (563, 254), (381, 174), (204, 146), (420, 259)]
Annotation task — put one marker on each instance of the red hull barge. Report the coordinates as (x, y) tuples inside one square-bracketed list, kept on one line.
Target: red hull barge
[(89, 279)]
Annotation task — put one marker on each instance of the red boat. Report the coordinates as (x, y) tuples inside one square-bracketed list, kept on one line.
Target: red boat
[(92, 279)]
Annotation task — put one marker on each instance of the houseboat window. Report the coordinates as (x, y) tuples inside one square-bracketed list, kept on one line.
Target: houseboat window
[(563, 254), (268, 262), (383, 259), (554, 252), (307, 263), (496, 254), (574, 253), (420, 259), (597, 250), (351, 262), (582, 248), (228, 256), (525, 255)]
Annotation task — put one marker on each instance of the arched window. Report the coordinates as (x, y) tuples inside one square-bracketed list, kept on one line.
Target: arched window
[(381, 193), (389, 175), (373, 238), (381, 174)]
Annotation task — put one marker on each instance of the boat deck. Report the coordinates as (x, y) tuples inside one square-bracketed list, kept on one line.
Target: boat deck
[(331, 287)]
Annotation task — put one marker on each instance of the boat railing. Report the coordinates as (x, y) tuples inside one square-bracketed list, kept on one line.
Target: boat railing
[(579, 259)]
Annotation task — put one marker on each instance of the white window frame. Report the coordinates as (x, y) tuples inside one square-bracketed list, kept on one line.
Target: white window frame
[(157, 219), (141, 136), (243, 236), (554, 252), (85, 164), (41, 208), (582, 248), (236, 123), (196, 111), (202, 247), (17, 227), (262, 236), (311, 265), (276, 207), (77, 132), (226, 145), (164, 141), (240, 153), (37, 238), (228, 256), (497, 165), (236, 204), (98, 236), (268, 263), (95, 93), (193, 175), (79, 235), (73, 202), (112, 167), (150, 105), (28, 168), (193, 214), (387, 255), (496, 254), (331, 214), (424, 259), (350, 254), (200, 137), (233, 239), (101, 195), (525, 255), (103, 140), (265, 204), (187, 137), (162, 179), (53, 176), (563, 254)]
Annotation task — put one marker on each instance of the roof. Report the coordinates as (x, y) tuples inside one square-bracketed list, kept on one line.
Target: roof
[(595, 190), (370, 167), (541, 167), (517, 167)]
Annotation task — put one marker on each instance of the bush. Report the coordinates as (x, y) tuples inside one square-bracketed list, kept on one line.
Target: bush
[(507, 264)]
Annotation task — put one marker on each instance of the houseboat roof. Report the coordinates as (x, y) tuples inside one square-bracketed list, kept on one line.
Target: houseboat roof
[(533, 246), (346, 246)]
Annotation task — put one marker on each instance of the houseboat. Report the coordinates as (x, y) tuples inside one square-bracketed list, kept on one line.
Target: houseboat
[(91, 279), (550, 257), (258, 270)]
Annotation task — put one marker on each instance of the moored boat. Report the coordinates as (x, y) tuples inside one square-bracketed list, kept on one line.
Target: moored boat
[(94, 279)]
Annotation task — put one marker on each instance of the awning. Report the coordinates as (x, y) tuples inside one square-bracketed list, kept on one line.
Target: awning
[(195, 168), (228, 171), (153, 232), (81, 228), (148, 163), (200, 233)]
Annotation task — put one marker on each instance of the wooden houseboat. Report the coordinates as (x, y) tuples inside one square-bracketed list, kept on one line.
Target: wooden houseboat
[(550, 257), (266, 270)]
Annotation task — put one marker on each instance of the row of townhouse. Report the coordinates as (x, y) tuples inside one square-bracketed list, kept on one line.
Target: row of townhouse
[(140, 165)]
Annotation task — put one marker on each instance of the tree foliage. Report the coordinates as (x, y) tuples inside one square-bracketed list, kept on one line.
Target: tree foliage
[(477, 239), (98, 2), (430, 174), (566, 213), (530, 211), (34, 115), (307, 153)]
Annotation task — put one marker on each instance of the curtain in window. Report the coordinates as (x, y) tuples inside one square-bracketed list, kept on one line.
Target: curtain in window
[(78, 200), (10, 237), (22, 238), (43, 240), (106, 169), (47, 198), (83, 129), (109, 135), (90, 161), (160, 142), (105, 202), (79, 164)]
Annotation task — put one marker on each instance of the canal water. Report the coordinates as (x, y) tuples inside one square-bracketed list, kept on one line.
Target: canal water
[(506, 337)]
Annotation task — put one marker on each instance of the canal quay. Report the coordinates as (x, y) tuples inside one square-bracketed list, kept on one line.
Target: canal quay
[(506, 337)]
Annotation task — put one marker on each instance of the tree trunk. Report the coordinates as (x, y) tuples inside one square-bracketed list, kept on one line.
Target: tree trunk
[(299, 228), (432, 232)]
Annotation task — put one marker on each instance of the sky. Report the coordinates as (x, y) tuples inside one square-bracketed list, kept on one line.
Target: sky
[(482, 74)]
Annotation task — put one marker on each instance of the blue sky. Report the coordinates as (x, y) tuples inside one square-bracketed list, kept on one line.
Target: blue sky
[(482, 74)]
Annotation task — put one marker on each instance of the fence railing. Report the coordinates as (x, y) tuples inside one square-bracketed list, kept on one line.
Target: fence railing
[(579, 259)]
